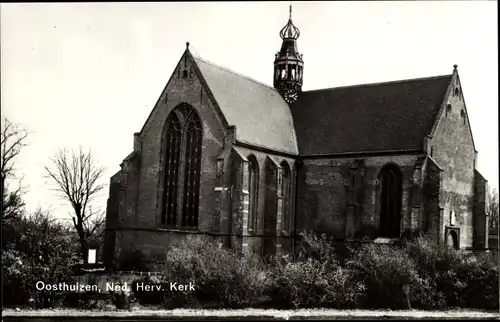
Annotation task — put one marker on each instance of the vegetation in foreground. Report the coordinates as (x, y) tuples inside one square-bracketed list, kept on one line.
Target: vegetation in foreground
[(420, 275)]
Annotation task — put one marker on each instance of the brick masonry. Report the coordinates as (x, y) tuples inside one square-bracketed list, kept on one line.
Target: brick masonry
[(334, 195), (451, 146)]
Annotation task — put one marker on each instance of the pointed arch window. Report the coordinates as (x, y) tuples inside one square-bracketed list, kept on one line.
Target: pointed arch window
[(181, 157), (253, 187), (171, 170), (389, 201), (286, 193), (193, 131)]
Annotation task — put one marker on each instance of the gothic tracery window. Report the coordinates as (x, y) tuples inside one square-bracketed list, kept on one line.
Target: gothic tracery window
[(193, 134), (182, 142), (171, 171)]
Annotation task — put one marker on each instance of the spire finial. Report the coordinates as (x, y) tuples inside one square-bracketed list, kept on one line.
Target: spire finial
[(290, 31), (455, 66), (187, 45)]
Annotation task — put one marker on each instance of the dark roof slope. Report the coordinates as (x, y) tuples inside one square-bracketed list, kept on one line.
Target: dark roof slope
[(370, 117), (258, 111)]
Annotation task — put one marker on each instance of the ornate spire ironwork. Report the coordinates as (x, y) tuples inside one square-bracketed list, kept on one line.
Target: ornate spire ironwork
[(290, 31)]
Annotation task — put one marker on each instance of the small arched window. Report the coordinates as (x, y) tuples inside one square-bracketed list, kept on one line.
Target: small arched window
[(462, 114)]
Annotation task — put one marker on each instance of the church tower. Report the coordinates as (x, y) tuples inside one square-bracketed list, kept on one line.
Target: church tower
[(288, 63)]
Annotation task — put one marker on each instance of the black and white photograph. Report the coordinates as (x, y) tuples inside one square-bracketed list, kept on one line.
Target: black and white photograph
[(249, 160)]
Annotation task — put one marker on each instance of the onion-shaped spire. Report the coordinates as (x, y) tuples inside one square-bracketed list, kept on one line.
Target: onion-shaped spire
[(289, 31)]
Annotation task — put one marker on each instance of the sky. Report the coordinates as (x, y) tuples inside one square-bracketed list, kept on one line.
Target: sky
[(88, 74)]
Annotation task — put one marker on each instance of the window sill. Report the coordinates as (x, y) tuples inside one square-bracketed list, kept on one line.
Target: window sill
[(178, 229)]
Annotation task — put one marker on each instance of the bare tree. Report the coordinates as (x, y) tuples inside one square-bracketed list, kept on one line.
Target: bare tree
[(13, 139), (77, 177)]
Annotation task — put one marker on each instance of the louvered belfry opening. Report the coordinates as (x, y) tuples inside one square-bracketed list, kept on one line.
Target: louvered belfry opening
[(390, 194), (181, 157)]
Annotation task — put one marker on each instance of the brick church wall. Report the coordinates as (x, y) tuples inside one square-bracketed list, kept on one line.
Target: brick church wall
[(452, 149), (324, 194), (481, 225), (141, 221)]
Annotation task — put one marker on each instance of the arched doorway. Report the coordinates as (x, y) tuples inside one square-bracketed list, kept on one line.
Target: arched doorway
[(452, 239), (389, 201)]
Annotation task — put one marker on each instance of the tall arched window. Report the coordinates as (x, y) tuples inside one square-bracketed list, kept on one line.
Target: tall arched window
[(193, 133), (286, 193), (270, 209), (172, 141), (253, 190), (182, 142), (389, 200)]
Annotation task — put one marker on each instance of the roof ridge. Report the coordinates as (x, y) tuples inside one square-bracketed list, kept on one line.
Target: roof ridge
[(233, 72), (380, 83)]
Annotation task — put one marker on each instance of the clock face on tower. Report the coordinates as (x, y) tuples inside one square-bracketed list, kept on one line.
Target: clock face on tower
[(290, 96)]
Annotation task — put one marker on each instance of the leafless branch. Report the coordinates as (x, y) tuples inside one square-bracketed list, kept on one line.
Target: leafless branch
[(13, 139), (77, 177)]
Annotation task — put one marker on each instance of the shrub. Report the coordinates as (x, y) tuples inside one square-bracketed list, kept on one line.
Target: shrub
[(390, 276), (220, 276), (43, 251), (319, 247), (122, 298), (463, 279), (85, 300), (310, 282), (156, 293)]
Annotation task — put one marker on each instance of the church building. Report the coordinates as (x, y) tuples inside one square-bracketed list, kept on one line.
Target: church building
[(253, 165)]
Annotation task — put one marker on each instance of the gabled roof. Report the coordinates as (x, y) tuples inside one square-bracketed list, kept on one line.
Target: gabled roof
[(258, 112), (393, 116)]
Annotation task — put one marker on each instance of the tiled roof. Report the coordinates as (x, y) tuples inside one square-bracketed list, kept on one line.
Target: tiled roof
[(370, 117), (258, 111)]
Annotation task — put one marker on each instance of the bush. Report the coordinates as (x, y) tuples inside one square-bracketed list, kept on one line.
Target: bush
[(44, 251), (307, 283), (463, 279), (156, 293), (391, 278), (85, 301), (122, 298), (220, 277), (319, 247)]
